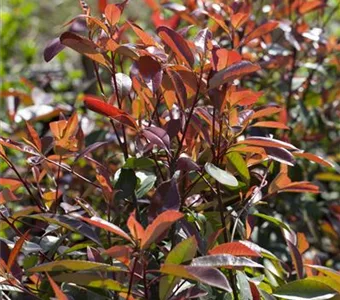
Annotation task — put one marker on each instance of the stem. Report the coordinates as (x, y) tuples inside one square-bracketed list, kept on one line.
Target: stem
[(36, 201), (188, 120), (146, 294), (57, 184), (131, 277)]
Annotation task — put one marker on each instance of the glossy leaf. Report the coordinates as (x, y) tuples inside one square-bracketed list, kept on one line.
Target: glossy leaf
[(109, 110), (220, 175), (234, 248), (162, 223), (209, 276), (267, 142), (124, 85), (233, 72), (305, 289), (182, 252), (224, 260), (177, 44), (107, 226), (314, 158), (239, 164)]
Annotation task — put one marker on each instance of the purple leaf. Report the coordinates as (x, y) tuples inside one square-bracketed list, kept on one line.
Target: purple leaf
[(281, 155), (157, 136), (186, 164), (210, 276), (52, 49)]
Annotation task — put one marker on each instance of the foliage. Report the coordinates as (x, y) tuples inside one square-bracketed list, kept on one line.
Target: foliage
[(205, 166)]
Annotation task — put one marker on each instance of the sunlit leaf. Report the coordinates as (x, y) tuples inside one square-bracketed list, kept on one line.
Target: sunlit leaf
[(159, 226), (233, 72), (305, 289), (93, 281), (220, 175)]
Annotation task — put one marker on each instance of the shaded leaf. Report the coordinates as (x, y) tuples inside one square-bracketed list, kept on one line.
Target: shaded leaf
[(52, 49)]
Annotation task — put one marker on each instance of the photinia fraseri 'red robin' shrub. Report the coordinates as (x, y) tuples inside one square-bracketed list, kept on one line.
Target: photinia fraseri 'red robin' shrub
[(167, 204)]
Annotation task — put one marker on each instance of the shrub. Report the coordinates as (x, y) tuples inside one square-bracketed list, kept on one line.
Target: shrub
[(179, 179)]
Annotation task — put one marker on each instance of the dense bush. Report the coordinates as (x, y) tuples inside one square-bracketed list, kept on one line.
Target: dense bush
[(205, 166)]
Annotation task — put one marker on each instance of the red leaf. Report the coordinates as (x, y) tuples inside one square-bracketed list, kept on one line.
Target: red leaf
[(234, 248), (109, 110), (57, 291), (247, 97), (314, 158), (233, 72), (266, 142), (33, 136), (177, 44), (101, 5), (15, 251), (151, 72), (267, 111), (260, 31), (296, 258), (159, 226), (239, 19), (83, 46), (145, 37), (270, 124), (158, 20), (136, 229), (308, 6), (103, 224), (222, 58), (112, 14)]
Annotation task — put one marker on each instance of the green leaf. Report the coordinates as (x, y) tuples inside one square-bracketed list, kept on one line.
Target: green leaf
[(240, 165), (220, 175), (273, 220), (305, 289), (126, 183), (245, 290), (147, 185), (138, 163), (72, 265), (182, 252), (91, 281)]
